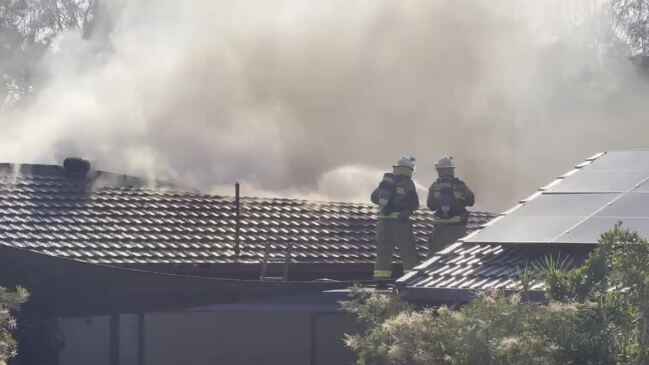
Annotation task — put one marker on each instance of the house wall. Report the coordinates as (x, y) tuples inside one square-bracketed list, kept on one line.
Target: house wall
[(208, 337), (85, 340), (129, 340), (331, 328), (227, 337)]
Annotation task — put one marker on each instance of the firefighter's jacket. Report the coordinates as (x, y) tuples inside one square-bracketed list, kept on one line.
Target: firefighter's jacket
[(449, 197), (403, 199)]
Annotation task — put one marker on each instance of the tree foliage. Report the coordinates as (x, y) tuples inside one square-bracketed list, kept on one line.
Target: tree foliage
[(595, 314), (10, 302), (27, 29), (631, 18), (493, 329), (614, 281)]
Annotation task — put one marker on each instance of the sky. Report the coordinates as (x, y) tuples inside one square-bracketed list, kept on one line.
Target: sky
[(316, 99)]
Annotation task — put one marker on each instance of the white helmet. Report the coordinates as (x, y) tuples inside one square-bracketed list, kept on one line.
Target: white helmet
[(406, 161), (445, 162)]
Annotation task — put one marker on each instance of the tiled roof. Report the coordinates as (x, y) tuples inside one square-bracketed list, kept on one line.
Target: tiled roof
[(475, 267), (120, 220)]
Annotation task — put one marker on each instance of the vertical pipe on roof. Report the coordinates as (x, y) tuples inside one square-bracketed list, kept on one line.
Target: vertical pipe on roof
[(237, 206)]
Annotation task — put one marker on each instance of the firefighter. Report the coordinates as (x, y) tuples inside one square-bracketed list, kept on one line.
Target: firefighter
[(397, 199), (448, 197)]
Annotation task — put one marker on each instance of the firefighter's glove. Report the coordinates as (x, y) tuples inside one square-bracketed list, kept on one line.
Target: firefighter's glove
[(383, 203)]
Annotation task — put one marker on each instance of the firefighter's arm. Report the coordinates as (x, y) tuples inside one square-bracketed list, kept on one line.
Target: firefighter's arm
[(470, 198), (375, 196), (413, 199), (432, 201), (411, 203), (464, 193)]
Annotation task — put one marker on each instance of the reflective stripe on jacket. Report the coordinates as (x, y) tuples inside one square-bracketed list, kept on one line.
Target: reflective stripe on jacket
[(452, 220)]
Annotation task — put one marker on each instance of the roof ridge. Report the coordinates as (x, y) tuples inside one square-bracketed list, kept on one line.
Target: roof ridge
[(125, 181)]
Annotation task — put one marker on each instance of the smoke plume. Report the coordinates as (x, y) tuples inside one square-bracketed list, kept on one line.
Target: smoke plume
[(316, 98)]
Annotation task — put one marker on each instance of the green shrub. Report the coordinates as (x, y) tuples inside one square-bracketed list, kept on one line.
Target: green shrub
[(10, 302), (597, 313)]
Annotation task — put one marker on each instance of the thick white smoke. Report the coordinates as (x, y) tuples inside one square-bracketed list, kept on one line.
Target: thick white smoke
[(315, 98)]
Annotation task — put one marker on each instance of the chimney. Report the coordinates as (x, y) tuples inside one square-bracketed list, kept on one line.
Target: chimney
[(76, 168)]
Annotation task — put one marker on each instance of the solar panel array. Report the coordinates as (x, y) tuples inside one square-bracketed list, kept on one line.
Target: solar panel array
[(579, 206)]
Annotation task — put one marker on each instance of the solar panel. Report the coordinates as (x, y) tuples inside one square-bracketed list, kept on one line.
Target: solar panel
[(525, 229), (579, 208), (589, 231), (589, 180), (629, 205), (561, 205), (622, 160), (642, 188)]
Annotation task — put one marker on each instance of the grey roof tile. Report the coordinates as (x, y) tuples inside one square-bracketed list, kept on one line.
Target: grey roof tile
[(44, 211), (479, 266)]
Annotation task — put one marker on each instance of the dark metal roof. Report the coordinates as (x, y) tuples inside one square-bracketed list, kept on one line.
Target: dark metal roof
[(121, 220)]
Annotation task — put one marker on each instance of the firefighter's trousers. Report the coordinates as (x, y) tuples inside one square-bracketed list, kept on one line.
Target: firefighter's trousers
[(391, 233), (444, 235)]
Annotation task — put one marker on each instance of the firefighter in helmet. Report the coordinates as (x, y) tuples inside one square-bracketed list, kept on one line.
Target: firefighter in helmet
[(397, 199), (448, 196)]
